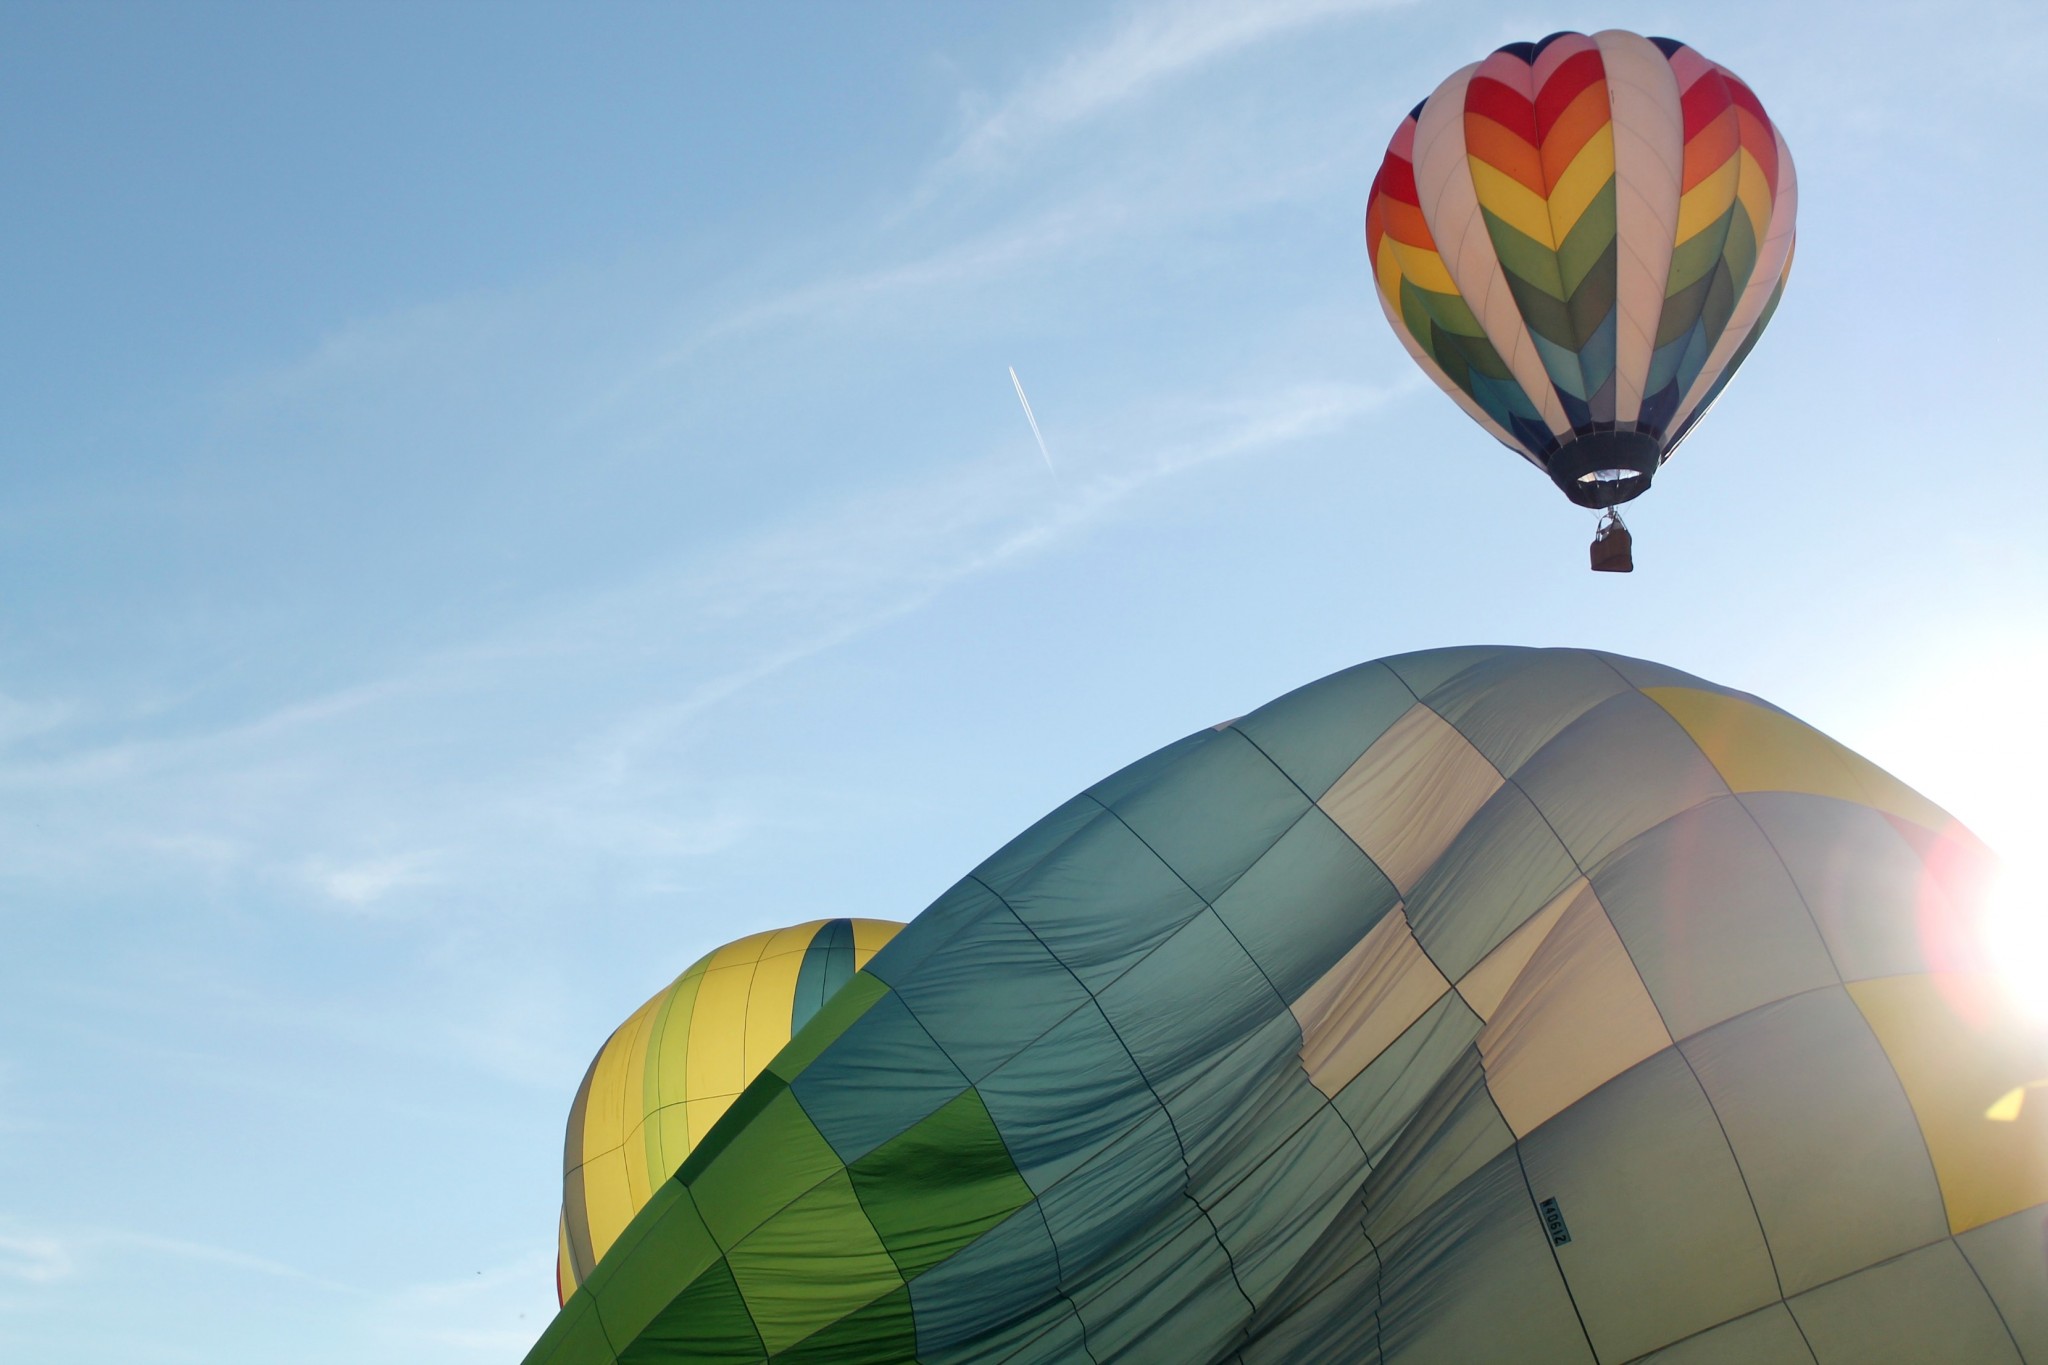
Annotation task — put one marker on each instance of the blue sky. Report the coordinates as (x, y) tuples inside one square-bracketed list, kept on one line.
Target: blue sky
[(496, 501)]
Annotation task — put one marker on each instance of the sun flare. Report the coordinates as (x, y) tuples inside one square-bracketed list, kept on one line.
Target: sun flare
[(2016, 933)]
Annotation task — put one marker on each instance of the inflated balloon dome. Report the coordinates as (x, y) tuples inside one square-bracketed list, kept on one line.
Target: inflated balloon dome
[(1580, 240), (670, 1072), (1473, 1005)]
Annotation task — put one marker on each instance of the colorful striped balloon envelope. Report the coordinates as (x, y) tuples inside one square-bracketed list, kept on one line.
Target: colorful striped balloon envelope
[(1580, 240)]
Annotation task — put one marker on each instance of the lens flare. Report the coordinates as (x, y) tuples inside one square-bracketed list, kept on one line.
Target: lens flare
[(2016, 933)]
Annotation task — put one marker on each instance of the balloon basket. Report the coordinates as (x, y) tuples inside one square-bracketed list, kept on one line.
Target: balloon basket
[(1613, 547)]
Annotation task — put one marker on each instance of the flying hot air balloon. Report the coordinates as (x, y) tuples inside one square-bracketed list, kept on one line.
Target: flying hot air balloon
[(1580, 240)]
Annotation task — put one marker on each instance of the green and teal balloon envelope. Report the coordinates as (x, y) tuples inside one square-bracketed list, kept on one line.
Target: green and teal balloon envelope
[(1482, 1004)]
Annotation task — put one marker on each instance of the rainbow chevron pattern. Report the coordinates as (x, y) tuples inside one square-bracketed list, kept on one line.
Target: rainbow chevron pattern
[(1584, 235)]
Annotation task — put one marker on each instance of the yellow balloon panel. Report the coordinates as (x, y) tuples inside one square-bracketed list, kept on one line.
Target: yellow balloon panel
[(1967, 1074), (667, 1074)]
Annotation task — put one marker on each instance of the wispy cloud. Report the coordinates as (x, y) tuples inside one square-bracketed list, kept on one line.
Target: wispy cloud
[(362, 882), (46, 1257), (976, 257), (21, 719), (34, 1259), (983, 255), (831, 580), (1149, 48), (294, 796)]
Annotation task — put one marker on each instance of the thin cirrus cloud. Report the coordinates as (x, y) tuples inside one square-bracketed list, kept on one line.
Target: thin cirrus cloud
[(763, 604), (363, 882), (480, 1315), (49, 1257), (1150, 48), (301, 794), (876, 560), (34, 1259)]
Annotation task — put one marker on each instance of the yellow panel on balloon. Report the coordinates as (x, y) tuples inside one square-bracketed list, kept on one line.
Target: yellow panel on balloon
[(1575, 1016), (1408, 795), (1362, 1004), (669, 1073), (1757, 749), (1961, 1058)]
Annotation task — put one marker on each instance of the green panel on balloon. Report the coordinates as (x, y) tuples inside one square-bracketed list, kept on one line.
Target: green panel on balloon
[(1315, 733), (1234, 1112), (854, 999), (1055, 1337), (1641, 673), (962, 905), (1712, 922), (1596, 804), (1646, 1151), (813, 1263), (1175, 1033), (992, 986), (2010, 1257), (1796, 1084), (1511, 706), (1503, 866), (1472, 1279), (1453, 1132), (1009, 1274), (883, 1075), (667, 1232), (573, 1338), (1212, 815), (1094, 1210), (1692, 261), (1002, 870), (770, 1162), (939, 1186), (1271, 1217), (1925, 1306), (708, 1322), (1424, 671), (1168, 1296), (1382, 1100), (1072, 1092), (1857, 878), (884, 1330), (1105, 902), (1305, 903)]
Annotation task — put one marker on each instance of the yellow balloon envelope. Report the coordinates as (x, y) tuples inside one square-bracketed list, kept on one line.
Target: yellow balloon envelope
[(667, 1074)]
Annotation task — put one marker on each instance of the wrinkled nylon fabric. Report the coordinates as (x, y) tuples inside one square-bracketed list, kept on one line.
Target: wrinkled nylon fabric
[(1630, 1055), (668, 1073)]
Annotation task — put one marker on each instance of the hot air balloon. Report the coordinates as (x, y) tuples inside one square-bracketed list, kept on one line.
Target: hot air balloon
[(1580, 240), (1479, 1004), (665, 1076)]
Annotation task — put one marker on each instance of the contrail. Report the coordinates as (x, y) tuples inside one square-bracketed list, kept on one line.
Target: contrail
[(1031, 419)]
